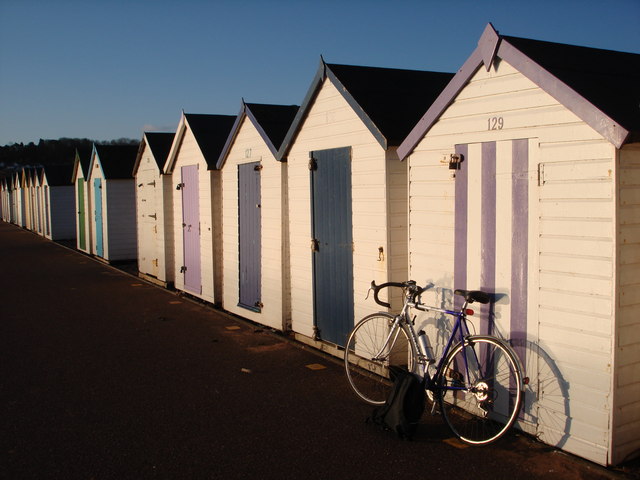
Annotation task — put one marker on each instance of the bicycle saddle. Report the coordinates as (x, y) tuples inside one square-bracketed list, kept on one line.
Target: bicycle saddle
[(474, 296)]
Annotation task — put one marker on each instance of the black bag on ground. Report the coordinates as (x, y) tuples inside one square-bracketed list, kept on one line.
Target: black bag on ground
[(403, 409)]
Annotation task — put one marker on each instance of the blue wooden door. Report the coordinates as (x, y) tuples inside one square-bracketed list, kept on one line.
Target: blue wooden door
[(249, 233), (191, 229), (97, 190), (332, 243)]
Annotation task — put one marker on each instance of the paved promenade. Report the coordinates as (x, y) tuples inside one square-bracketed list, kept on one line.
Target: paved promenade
[(104, 376)]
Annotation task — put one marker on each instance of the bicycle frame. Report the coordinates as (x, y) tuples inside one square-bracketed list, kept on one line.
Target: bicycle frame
[(460, 328)]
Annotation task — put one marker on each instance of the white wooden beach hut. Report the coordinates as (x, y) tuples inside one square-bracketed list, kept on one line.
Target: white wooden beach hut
[(541, 209), (29, 186), (5, 195), (154, 208), (112, 203), (18, 201), (254, 224), (197, 145), (58, 203), (39, 173), (347, 191), (79, 180)]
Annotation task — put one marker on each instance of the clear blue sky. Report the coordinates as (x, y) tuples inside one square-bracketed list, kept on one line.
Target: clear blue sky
[(111, 69)]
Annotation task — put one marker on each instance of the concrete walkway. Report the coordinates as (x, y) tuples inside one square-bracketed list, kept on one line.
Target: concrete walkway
[(104, 376)]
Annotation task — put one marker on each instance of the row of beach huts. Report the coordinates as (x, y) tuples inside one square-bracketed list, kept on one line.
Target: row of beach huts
[(518, 175)]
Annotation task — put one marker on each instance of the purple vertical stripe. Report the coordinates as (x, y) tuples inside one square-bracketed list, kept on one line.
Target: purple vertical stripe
[(488, 234), (519, 246), (460, 240)]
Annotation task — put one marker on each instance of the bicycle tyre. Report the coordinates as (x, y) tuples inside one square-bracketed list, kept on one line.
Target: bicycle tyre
[(482, 409), (368, 377)]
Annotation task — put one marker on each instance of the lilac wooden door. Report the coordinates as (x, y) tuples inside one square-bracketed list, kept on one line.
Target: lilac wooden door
[(191, 229)]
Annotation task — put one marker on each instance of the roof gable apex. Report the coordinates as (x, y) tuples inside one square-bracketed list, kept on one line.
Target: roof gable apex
[(270, 121), (492, 45)]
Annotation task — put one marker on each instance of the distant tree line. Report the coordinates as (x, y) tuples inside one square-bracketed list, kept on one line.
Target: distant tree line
[(50, 152)]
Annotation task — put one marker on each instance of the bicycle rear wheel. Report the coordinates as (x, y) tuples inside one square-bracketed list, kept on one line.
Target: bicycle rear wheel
[(367, 364), (480, 389)]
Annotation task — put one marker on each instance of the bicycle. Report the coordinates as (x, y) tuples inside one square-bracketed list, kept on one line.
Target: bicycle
[(478, 381)]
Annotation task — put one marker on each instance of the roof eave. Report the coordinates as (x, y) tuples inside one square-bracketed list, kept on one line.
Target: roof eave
[(232, 136), (175, 146), (372, 127), (491, 45), (141, 147), (446, 97), (314, 88), (563, 93)]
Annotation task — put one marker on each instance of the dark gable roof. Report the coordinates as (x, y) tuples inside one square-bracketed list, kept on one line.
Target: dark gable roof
[(160, 145), (83, 155), (602, 87), (610, 80), (117, 160), (271, 121), (274, 120), (211, 132), (393, 99), (389, 101), (58, 175)]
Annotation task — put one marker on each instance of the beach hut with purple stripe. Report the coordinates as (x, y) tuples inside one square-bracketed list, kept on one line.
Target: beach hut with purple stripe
[(347, 192), (525, 182), (154, 210), (254, 216), (195, 183), (112, 202)]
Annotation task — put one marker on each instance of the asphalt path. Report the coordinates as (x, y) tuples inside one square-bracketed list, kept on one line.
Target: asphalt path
[(104, 376)]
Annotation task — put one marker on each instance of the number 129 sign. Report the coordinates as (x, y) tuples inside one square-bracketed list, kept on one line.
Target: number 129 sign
[(495, 123)]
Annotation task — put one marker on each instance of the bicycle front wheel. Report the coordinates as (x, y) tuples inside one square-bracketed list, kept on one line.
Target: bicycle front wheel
[(480, 389), (367, 358)]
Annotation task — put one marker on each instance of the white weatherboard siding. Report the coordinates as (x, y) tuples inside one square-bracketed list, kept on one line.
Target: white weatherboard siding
[(571, 254), (120, 220), (147, 179), (250, 147), (332, 123), (626, 421), (189, 154), (154, 256)]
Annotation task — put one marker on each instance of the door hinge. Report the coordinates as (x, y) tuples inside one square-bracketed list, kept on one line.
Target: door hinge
[(315, 245), (183, 269), (258, 304), (257, 168), (313, 164), (540, 174)]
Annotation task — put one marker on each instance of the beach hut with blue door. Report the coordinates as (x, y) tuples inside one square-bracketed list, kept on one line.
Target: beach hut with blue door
[(58, 203), (525, 182), (112, 202), (254, 225), (79, 179), (191, 163), (347, 192), (154, 208)]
